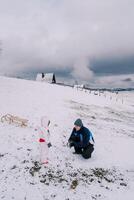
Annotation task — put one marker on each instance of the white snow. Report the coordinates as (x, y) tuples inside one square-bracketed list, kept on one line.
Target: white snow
[(111, 119)]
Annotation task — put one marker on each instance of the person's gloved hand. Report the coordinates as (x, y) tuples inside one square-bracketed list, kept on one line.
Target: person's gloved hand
[(71, 144)]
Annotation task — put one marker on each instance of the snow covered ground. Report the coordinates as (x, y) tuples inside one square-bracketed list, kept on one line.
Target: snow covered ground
[(108, 175)]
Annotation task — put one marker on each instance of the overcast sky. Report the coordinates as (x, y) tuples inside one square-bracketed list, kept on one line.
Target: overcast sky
[(87, 40)]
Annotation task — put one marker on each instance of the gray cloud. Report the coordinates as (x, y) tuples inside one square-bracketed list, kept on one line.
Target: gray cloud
[(79, 39), (112, 81), (116, 66)]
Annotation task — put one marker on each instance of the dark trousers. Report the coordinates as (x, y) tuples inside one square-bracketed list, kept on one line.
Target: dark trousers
[(85, 152)]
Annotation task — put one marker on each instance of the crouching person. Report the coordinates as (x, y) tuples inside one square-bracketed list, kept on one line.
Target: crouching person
[(81, 139)]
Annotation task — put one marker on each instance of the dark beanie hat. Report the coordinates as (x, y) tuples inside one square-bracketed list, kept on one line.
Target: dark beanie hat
[(78, 122)]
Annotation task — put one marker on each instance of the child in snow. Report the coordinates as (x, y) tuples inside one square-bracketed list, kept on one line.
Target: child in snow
[(81, 139)]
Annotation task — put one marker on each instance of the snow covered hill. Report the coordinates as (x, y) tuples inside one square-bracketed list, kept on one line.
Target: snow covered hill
[(108, 175)]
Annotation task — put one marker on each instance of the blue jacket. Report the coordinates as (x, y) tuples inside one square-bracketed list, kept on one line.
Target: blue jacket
[(81, 138)]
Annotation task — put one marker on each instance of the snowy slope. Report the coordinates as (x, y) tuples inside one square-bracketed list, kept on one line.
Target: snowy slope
[(109, 174)]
